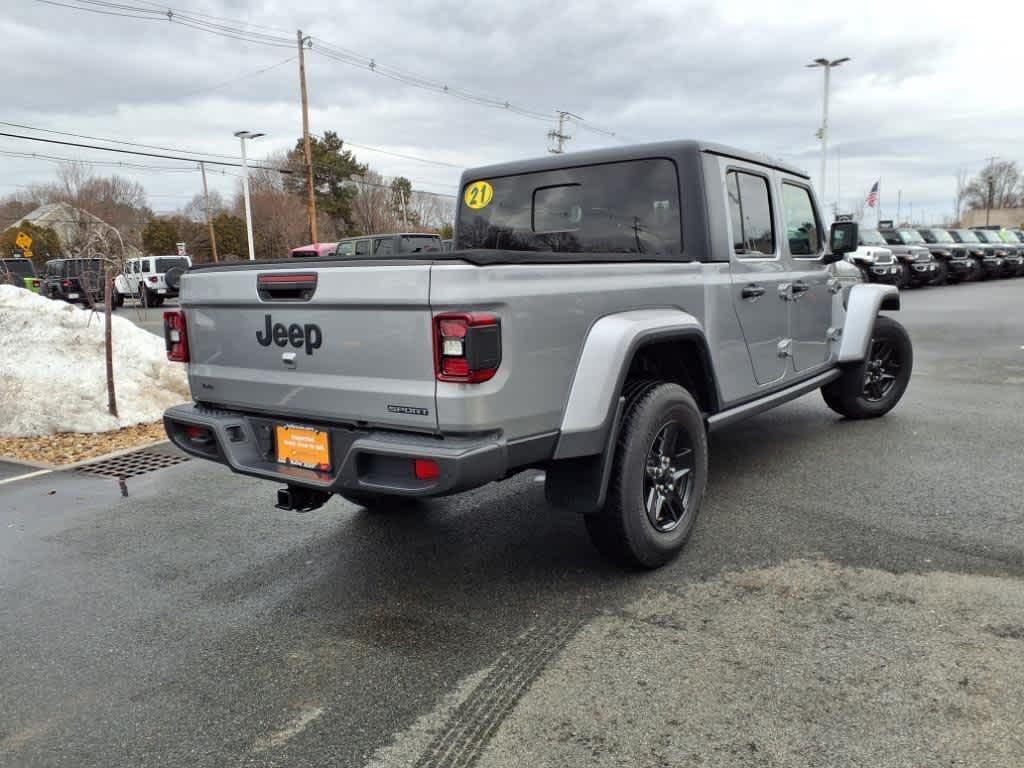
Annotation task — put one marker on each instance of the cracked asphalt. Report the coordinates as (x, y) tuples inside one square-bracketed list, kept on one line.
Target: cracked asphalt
[(842, 581)]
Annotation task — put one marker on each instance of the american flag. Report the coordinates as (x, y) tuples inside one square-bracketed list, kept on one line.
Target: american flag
[(873, 195)]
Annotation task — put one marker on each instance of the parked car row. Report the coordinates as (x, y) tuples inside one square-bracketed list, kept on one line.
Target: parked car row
[(372, 246), (915, 256)]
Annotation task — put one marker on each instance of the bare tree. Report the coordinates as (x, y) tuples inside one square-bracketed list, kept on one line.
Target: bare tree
[(961, 191), (372, 206), (997, 186)]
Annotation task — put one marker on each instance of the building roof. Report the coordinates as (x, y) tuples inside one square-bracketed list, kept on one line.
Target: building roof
[(71, 224)]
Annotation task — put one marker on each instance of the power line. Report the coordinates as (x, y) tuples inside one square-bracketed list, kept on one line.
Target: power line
[(137, 152), (113, 141), (284, 171), (108, 163), (245, 76), (276, 38)]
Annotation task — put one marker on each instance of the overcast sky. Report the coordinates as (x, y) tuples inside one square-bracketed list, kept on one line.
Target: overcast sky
[(931, 87)]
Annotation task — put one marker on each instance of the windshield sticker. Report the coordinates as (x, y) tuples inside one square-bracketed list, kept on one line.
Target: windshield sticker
[(479, 195)]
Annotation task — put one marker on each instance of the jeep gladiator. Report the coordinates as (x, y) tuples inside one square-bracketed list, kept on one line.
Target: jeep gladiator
[(600, 312)]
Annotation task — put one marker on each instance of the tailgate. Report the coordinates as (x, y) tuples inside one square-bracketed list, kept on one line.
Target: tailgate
[(358, 349)]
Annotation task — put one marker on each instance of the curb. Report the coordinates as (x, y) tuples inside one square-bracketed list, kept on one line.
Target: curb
[(83, 462)]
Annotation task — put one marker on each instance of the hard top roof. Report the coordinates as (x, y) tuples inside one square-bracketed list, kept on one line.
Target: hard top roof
[(390, 234), (619, 154)]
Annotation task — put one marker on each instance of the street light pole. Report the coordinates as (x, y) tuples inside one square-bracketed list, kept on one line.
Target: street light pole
[(242, 136), (827, 65)]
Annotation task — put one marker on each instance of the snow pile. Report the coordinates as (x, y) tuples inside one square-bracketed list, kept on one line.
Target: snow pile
[(53, 371)]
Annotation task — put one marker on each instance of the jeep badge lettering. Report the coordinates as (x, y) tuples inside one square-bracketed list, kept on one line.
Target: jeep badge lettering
[(308, 335)]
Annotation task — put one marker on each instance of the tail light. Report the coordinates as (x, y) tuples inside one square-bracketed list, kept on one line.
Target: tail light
[(426, 469), (175, 338), (467, 346), (152, 278), (66, 283)]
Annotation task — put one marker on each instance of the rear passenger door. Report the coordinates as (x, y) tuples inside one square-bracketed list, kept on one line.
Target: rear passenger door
[(811, 311), (758, 272), (362, 248), (383, 247)]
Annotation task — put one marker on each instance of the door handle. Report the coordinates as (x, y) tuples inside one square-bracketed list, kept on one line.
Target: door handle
[(800, 287), (752, 291)]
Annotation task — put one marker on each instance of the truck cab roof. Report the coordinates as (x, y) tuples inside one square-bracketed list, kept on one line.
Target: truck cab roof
[(690, 148)]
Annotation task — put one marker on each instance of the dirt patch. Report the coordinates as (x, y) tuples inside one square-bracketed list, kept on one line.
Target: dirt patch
[(70, 447)]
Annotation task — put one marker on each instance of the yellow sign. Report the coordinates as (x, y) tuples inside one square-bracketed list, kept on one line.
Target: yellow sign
[(479, 194), (23, 241)]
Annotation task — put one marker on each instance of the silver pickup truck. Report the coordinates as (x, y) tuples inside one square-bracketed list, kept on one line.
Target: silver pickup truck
[(599, 314)]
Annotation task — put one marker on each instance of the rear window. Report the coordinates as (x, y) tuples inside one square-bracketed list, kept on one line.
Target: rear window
[(165, 263), (20, 267), (420, 243), (630, 207)]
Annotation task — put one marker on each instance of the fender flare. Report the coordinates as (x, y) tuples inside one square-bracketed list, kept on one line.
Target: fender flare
[(590, 411), (862, 307)]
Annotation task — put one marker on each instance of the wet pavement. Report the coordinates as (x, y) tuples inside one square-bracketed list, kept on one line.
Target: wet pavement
[(177, 618)]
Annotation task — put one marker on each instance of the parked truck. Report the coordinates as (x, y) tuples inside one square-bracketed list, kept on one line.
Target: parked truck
[(600, 313)]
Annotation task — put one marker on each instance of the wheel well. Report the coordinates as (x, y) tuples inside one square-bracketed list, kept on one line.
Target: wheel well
[(682, 361)]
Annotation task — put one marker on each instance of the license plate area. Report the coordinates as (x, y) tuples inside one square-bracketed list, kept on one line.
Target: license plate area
[(302, 447)]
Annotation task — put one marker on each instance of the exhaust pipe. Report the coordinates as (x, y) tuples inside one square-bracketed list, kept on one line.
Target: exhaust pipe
[(294, 498)]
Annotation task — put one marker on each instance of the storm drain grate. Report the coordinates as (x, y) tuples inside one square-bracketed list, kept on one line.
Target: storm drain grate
[(132, 464)]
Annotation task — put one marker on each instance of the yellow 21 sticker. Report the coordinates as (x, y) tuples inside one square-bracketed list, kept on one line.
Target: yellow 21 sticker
[(479, 194)]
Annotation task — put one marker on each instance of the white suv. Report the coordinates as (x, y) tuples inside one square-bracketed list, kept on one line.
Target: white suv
[(150, 279)]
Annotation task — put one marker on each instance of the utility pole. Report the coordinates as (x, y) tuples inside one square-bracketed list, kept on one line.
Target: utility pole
[(899, 203), (405, 213), (209, 218), (559, 136), (827, 65), (307, 155)]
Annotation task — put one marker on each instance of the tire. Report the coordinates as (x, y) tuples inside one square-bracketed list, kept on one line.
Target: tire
[(903, 280), (976, 272), (379, 502), (118, 299), (890, 353), (941, 274), (624, 530)]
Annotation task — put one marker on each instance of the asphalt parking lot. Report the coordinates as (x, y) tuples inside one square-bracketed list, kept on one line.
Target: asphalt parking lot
[(852, 595)]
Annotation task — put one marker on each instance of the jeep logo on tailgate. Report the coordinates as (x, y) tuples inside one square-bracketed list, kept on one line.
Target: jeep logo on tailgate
[(308, 335)]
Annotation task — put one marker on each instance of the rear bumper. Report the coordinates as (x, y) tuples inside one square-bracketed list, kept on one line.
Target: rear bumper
[(365, 461)]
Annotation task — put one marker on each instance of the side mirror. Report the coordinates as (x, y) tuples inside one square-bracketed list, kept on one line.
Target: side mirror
[(842, 239)]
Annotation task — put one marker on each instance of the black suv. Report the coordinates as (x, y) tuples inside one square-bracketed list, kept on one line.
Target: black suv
[(1007, 246), (20, 272), (1018, 235), (950, 256), (912, 254), (983, 253), (74, 280)]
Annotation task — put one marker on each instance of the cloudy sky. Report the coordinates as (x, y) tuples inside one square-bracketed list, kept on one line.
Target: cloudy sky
[(931, 87)]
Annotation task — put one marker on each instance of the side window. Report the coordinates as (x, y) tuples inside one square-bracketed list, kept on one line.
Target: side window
[(362, 248), (750, 213), (383, 246), (346, 248), (802, 228), (891, 238), (145, 265)]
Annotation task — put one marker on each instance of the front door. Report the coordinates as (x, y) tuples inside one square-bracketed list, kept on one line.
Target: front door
[(758, 273), (811, 307)]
